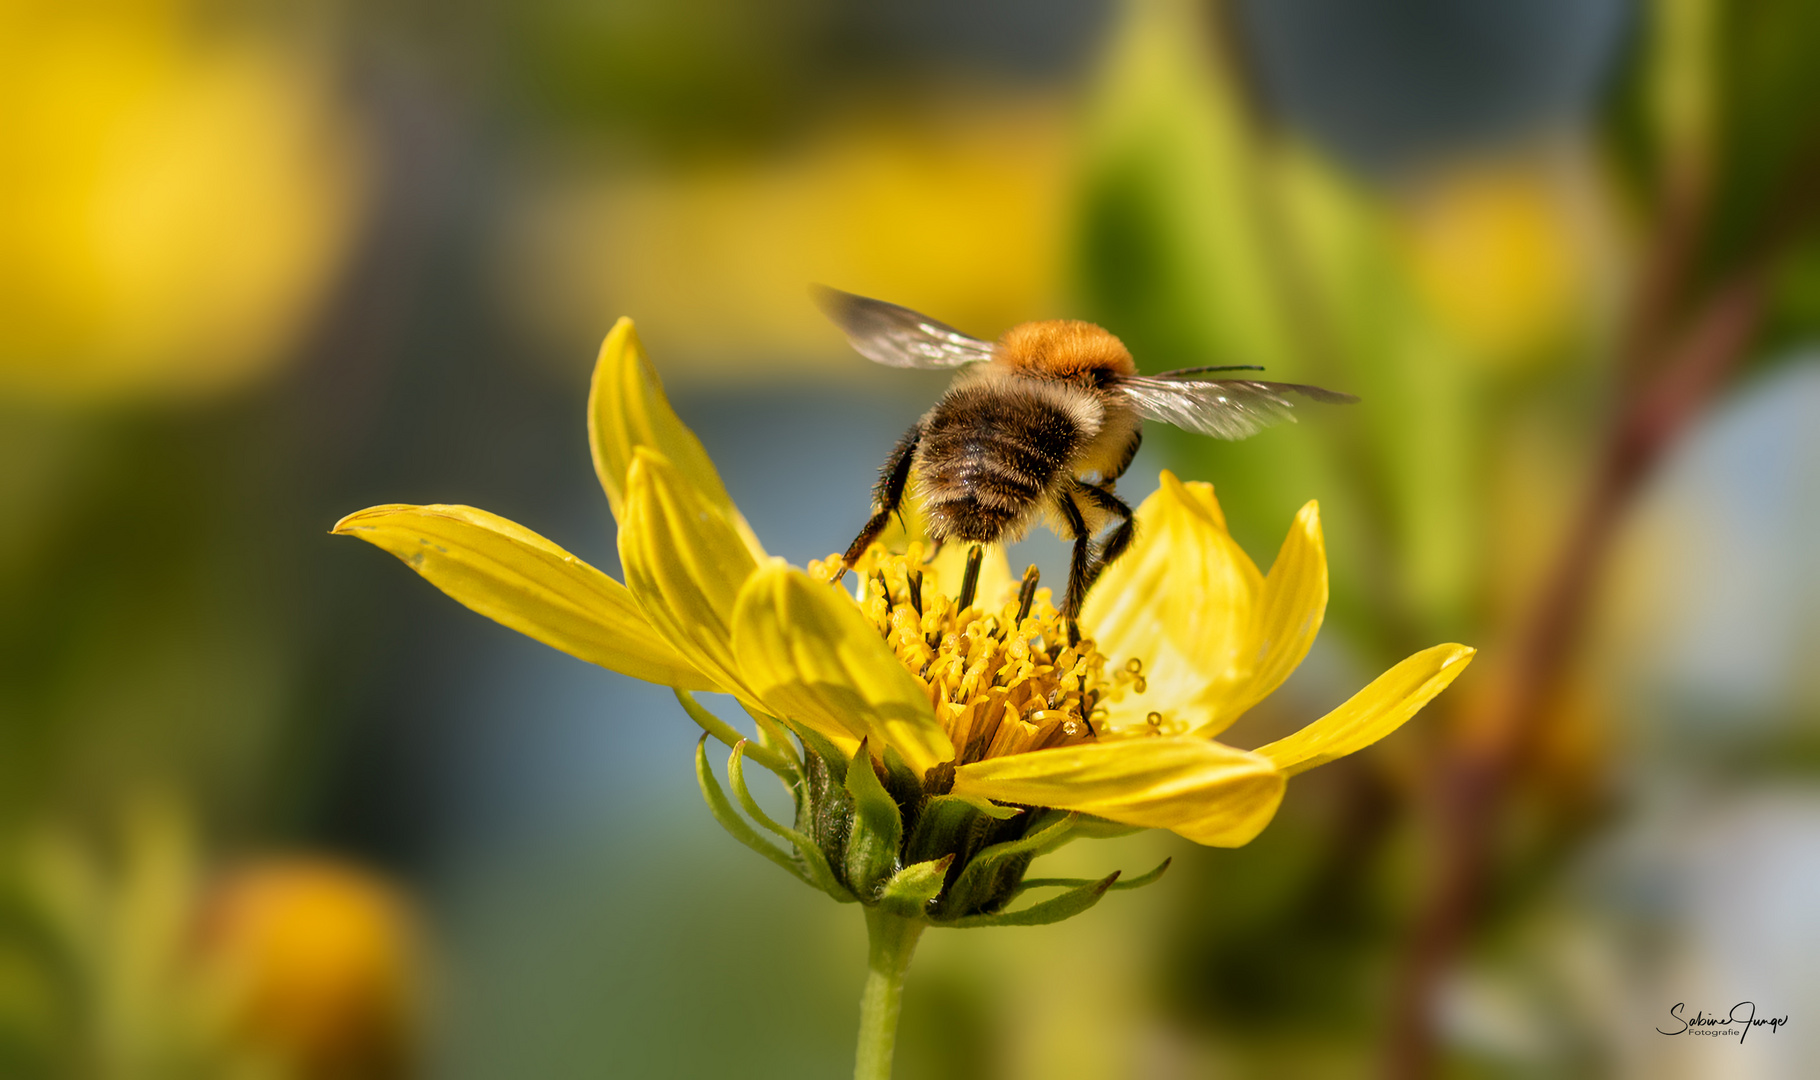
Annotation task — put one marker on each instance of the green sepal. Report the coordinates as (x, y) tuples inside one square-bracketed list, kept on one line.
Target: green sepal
[(1120, 885), (1089, 827), (871, 855), (902, 782), (911, 890), (992, 873), (820, 874), (953, 825), (1065, 906), (729, 735), (814, 742), (731, 821), (774, 735), (987, 806), (824, 810)]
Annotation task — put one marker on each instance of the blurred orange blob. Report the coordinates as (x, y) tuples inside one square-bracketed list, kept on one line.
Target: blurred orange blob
[(173, 199), (321, 968)]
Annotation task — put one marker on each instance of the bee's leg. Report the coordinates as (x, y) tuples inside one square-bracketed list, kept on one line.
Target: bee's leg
[(1102, 496), (887, 496), (1080, 565)]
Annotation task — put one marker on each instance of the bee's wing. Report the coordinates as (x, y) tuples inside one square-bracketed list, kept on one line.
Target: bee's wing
[(896, 336), (1223, 408)]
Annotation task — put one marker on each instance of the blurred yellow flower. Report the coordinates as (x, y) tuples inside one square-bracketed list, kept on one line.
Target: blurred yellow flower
[(318, 964), (172, 201), (117, 959), (991, 695), (962, 210), (1504, 253)]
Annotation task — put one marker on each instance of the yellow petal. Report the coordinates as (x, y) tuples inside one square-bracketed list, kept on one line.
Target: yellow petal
[(1182, 600), (1373, 712), (809, 654), (685, 562), (627, 409), (1210, 793), (1287, 618), (521, 580)]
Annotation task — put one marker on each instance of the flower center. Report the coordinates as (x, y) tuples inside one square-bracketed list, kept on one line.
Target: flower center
[(1003, 680)]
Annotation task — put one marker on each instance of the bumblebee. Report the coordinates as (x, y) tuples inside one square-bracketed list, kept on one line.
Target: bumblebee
[(1040, 423)]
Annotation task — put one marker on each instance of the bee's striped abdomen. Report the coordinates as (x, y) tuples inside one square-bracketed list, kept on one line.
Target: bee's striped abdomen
[(991, 459)]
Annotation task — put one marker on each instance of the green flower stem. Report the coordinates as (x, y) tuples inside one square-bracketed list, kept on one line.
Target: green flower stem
[(893, 940)]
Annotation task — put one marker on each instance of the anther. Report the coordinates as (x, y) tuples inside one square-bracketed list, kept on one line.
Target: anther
[(1027, 594), (915, 579), (970, 580), (1135, 666), (1154, 719)]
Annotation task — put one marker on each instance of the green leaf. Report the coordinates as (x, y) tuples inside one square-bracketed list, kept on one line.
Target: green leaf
[(911, 890), (731, 821), (1065, 906), (878, 828), (821, 875)]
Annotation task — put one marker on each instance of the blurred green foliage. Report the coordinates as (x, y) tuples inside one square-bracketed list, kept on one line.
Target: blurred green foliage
[(1209, 234), (166, 625)]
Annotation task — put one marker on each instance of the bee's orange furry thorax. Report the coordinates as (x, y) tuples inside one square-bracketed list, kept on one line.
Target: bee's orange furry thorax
[(1063, 348)]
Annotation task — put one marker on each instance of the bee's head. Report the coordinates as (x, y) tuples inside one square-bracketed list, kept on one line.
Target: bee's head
[(1064, 349)]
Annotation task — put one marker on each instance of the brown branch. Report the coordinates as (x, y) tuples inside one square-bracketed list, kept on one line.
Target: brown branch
[(1475, 771)]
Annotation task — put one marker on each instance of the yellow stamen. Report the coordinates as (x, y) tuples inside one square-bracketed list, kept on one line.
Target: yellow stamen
[(1003, 680)]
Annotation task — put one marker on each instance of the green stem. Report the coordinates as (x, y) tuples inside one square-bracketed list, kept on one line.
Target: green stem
[(893, 940)]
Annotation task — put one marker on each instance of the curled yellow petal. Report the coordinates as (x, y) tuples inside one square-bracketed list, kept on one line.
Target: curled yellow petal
[(809, 654), (685, 562), (1373, 712), (1183, 600), (521, 580), (1210, 793), (627, 409), (1287, 617)]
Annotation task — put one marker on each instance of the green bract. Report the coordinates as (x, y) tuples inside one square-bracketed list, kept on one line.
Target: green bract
[(877, 834)]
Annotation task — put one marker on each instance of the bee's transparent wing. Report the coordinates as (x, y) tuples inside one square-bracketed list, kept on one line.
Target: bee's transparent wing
[(896, 336), (1222, 408)]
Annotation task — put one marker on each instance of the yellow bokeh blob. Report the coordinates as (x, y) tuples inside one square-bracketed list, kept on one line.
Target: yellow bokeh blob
[(172, 201), (1499, 256), (960, 213), (322, 961)]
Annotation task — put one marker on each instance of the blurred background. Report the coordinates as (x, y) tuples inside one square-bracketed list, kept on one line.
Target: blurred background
[(272, 807)]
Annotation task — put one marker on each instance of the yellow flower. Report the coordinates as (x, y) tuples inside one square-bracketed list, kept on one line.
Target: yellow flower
[(318, 966), (987, 701)]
